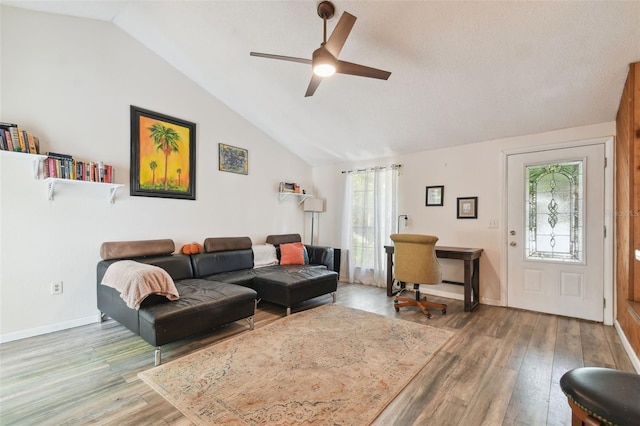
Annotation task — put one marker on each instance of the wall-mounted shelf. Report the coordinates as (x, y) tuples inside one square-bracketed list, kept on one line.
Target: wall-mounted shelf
[(302, 197), (53, 182), (36, 158)]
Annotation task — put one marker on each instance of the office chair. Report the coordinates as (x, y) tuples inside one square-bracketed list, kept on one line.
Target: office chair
[(415, 262)]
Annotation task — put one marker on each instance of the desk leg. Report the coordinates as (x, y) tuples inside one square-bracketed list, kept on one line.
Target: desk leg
[(467, 285), (476, 283), (389, 273), (471, 284)]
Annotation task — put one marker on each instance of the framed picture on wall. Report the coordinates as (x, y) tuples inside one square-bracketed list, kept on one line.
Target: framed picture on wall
[(435, 196), (233, 159), (163, 155), (467, 207)]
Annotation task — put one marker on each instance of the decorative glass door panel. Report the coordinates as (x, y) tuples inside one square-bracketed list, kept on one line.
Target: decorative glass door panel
[(555, 209)]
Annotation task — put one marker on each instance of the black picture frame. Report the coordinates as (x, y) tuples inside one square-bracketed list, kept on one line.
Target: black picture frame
[(434, 196), (467, 208), (161, 168)]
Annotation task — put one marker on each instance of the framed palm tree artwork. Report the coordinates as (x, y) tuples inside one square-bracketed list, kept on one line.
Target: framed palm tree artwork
[(163, 155)]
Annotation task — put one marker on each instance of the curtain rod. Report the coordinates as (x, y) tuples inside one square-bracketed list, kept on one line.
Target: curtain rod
[(368, 169)]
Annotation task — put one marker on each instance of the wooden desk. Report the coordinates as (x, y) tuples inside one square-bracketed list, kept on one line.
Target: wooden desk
[(471, 258)]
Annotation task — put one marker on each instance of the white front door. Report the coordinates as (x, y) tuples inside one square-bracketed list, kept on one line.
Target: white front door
[(555, 222)]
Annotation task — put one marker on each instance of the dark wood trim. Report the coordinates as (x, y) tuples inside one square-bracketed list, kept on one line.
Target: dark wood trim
[(627, 207)]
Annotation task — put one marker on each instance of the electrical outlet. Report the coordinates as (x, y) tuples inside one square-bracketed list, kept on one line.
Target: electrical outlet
[(56, 287)]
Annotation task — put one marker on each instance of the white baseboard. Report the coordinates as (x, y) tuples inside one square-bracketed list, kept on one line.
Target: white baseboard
[(452, 291), (18, 335), (492, 302), (627, 347)]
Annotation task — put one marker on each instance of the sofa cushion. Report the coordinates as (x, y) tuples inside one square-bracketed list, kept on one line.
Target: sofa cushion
[(293, 285), (202, 305), (206, 264), (292, 254), (177, 265), (242, 277)]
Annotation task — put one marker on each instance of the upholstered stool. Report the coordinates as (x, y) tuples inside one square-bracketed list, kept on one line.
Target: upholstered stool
[(602, 396)]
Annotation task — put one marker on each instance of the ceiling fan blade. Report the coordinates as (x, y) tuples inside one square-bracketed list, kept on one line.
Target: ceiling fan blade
[(313, 85), (340, 33), (280, 57), (361, 70)]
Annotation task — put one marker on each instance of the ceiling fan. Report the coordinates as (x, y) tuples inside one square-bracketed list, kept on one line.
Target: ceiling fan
[(325, 60)]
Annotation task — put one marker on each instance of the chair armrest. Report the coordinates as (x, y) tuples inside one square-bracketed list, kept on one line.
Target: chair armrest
[(319, 255)]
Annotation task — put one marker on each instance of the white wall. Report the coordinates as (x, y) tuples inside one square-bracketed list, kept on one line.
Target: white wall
[(71, 81), (469, 170)]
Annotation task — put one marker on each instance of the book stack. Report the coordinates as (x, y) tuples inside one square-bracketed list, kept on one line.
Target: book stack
[(13, 138), (289, 187), (64, 166)]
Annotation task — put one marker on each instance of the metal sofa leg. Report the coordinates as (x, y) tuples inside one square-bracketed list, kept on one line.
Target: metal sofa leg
[(288, 310), (250, 321), (158, 356), (333, 294)]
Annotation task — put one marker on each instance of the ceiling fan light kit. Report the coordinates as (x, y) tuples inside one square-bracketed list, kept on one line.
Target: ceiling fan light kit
[(324, 62)]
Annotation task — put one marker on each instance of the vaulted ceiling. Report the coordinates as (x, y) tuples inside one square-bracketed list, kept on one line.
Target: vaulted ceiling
[(462, 72)]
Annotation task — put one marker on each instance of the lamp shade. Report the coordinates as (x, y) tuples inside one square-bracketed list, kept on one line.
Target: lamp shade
[(313, 205)]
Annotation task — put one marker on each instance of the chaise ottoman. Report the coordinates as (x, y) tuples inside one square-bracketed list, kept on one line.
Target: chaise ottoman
[(292, 285)]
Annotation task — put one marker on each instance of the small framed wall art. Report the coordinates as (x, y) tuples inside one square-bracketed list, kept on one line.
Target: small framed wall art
[(233, 159), (435, 196), (163, 155), (467, 207)]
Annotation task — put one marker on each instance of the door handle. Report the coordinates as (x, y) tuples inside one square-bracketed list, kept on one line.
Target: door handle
[(512, 243)]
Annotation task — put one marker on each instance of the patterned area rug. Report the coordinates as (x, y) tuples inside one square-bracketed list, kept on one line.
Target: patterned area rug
[(330, 365)]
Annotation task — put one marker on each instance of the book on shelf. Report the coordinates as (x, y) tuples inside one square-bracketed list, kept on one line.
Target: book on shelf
[(64, 166), (23, 144), (13, 138), (6, 141), (31, 143), (8, 138), (58, 155)]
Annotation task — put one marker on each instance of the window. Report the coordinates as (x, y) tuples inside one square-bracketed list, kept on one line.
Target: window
[(369, 220)]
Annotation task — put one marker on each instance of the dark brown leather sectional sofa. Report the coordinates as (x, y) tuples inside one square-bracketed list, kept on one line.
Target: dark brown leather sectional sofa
[(216, 287)]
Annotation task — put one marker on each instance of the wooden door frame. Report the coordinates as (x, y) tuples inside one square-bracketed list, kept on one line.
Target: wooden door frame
[(609, 241)]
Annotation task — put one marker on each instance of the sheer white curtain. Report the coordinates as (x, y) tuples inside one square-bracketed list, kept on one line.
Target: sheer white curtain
[(370, 210)]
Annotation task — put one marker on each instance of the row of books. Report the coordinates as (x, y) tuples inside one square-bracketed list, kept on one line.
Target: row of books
[(289, 187), (13, 138), (64, 166)]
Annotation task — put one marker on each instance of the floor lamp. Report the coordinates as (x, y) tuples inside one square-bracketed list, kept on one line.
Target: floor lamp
[(313, 205)]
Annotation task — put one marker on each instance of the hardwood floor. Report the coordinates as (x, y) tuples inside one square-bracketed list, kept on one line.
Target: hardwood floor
[(502, 368)]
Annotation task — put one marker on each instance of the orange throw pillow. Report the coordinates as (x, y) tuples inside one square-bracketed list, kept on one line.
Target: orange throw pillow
[(292, 254)]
